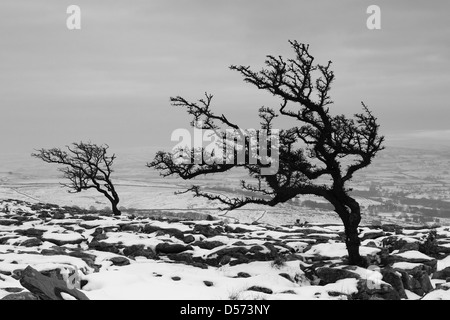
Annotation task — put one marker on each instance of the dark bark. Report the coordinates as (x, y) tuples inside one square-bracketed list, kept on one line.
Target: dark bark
[(86, 166), (352, 241), (322, 146), (115, 210)]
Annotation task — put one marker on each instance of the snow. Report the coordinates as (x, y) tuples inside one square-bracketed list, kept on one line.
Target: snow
[(129, 239), (410, 232), (437, 295), (405, 265), (411, 295), (444, 263), (172, 225), (414, 254), (13, 261), (298, 246), (335, 250), (68, 236), (138, 280), (346, 286), (67, 296), (325, 235)]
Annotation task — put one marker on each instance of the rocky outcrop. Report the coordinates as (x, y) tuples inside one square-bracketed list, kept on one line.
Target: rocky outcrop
[(47, 288)]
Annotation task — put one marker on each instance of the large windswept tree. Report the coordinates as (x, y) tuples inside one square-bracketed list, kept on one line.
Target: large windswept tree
[(85, 166), (318, 157)]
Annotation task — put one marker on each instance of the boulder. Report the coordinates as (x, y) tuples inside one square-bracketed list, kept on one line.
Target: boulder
[(188, 238), (207, 230), (119, 261), (60, 241), (367, 290), (414, 257), (394, 278), (171, 248), (138, 251), (173, 232), (47, 288), (20, 296), (8, 222), (372, 235), (331, 275), (131, 227), (442, 274), (59, 215), (209, 245), (103, 246), (260, 289), (391, 228), (243, 275), (31, 232), (208, 283), (32, 242), (421, 283)]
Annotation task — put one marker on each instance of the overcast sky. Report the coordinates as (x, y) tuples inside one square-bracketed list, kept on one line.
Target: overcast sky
[(111, 81)]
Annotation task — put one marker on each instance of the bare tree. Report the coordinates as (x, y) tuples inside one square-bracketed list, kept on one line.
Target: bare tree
[(318, 157), (86, 166)]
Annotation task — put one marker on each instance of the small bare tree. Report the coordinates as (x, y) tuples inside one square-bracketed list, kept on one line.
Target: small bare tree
[(318, 157), (86, 166)]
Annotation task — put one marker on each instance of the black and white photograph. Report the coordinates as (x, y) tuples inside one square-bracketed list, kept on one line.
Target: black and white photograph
[(224, 155)]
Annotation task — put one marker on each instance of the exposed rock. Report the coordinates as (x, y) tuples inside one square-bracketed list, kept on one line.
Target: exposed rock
[(235, 229), (4, 240), (58, 215), (171, 248), (176, 278), (373, 235), (442, 274), (120, 261), (286, 276), (189, 238), (149, 228), (394, 278), (367, 290), (61, 242), (208, 283), (103, 246), (209, 245), (47, 288), (391, 228), (187, 258), (20, 296), (138, 250), (131, 227), (44, 215), (207, 230), (31, 232), (421, 283), (8, 222), (32, 242), (331, 275), (54, 250), (86, 257), (260, 289), (415, 257), (13, 290), (87, 217), (243, 275)]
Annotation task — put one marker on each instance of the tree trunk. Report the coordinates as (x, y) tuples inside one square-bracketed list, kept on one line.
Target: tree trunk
[(350, 213), (352, 241), (115, 210)]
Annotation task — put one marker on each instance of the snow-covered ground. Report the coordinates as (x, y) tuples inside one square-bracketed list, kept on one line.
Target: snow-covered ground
[(131, 257)]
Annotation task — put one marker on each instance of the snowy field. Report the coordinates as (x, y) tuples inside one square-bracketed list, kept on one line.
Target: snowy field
[(130, 257)]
